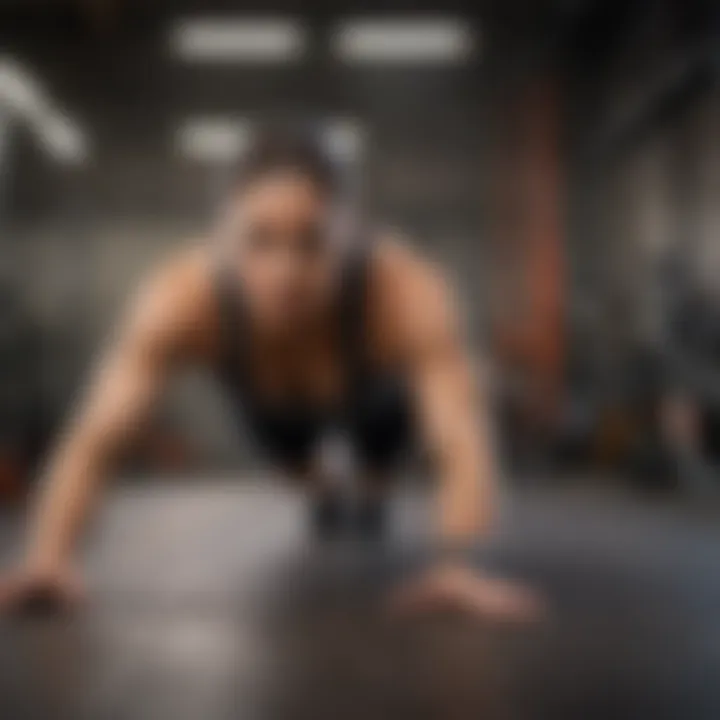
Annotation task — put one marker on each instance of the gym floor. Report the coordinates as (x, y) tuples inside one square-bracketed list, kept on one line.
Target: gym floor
[(207, 601)]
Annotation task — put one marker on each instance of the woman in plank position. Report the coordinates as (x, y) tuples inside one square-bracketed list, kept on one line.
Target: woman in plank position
[(312, 326)]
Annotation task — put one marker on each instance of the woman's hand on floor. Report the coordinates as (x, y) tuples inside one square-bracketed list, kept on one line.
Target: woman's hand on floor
[(461, 589), (40, 591)]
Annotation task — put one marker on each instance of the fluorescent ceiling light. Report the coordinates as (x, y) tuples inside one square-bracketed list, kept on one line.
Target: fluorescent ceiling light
[(23, 97), (438, 40), (232, 40), (213, 140), (219, 140)]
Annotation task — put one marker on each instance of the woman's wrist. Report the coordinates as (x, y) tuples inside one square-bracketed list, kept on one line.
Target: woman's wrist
[(454, 552)]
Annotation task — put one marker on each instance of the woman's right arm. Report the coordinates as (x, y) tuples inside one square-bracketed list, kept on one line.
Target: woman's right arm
[(128, 380)]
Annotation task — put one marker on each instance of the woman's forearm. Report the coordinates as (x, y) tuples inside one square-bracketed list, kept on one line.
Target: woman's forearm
[(64, 500), (466, 490)]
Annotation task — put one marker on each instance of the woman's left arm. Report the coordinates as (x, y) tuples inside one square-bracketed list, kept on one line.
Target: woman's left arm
[(454, 421)]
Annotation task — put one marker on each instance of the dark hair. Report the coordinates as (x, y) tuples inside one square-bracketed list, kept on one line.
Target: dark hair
[(281, 149)]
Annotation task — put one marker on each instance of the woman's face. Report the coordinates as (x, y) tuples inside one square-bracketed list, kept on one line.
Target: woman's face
[(279, 230)]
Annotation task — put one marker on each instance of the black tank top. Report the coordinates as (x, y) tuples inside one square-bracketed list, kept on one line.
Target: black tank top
[(293, 415)]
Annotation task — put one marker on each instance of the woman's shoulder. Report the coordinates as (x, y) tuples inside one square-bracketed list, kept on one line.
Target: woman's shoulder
[(177, 299), (408, 291)]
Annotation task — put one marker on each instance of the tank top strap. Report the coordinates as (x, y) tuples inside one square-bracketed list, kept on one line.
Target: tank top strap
[(233, 324), (353, 309)]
